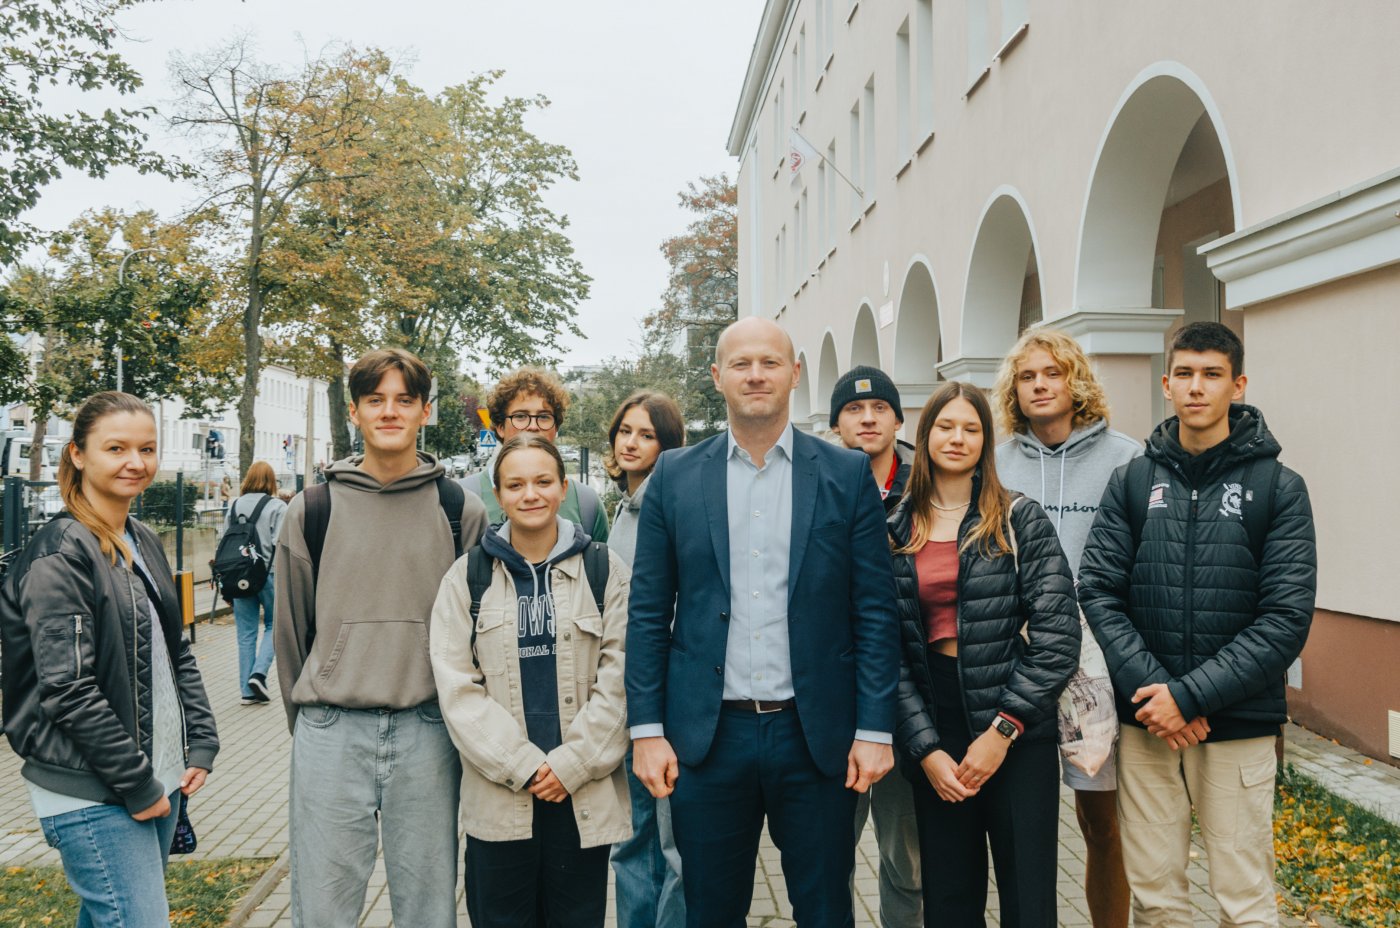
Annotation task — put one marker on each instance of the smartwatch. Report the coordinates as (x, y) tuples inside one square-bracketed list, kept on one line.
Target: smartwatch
[(1005, 728)]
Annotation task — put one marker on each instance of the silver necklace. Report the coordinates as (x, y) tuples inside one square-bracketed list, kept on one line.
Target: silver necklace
[(950, 508)]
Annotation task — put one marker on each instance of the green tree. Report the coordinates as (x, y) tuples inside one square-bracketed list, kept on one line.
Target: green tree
[(62, 43)]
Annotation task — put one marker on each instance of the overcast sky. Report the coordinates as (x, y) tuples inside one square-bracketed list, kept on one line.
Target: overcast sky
[(643, 94)]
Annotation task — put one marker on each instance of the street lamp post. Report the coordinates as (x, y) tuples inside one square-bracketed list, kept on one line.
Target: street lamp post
[(118, 243)]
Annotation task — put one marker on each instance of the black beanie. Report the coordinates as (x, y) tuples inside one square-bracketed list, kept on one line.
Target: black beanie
[(864, 383)]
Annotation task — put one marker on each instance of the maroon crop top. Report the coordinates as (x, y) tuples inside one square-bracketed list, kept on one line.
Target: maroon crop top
[(936, 566)]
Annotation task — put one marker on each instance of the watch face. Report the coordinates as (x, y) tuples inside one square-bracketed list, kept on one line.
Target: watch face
[(1006, 728)]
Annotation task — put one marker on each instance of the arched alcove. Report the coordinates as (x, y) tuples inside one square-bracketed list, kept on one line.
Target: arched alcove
[(1003, 279), (865, 340)]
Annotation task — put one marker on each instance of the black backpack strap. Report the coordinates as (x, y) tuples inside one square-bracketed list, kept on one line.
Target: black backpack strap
[(317, 520), (1260, 477), (478, 582), (595, 565), (1137, 485), (451, 497), (257, 510)]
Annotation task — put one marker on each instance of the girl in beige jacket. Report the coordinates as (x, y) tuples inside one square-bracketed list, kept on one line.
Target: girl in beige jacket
[(532, 694)]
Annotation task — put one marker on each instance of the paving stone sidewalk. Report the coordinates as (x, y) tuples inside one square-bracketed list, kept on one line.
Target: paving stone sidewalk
[(243, 811)]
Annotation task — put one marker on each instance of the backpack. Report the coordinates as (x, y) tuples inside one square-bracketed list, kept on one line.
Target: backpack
[(1137, 483), (451, 497), (239, 566), (595, 567)]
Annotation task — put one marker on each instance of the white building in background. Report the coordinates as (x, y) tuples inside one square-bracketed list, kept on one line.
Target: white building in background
[(1112, 169), (281, 437)]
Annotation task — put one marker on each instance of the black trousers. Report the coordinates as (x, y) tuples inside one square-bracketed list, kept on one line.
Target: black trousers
[(1017, 812), (544, 881), (758, 767)]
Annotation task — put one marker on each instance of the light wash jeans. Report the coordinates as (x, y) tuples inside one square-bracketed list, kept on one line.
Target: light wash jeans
[(360, 773), (251, 658), (115, 864), (647, 865)]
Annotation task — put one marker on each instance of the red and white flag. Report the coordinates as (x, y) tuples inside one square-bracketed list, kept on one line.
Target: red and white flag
[(800, 151)]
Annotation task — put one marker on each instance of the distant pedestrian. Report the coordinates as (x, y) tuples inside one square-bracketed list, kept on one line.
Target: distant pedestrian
[(530, 399), (1199, 579), (976, 566), (647, 865), (250, 612), (102, 697), (529, 677)]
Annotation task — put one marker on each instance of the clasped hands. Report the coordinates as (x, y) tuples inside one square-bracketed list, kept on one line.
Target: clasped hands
[(190, 783), (953, 781), (1163, 718), (654, 762)]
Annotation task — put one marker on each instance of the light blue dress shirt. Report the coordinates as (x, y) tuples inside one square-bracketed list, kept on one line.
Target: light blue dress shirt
[(758, 659)]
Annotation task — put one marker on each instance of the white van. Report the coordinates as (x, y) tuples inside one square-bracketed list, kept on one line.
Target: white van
[(15, 450)]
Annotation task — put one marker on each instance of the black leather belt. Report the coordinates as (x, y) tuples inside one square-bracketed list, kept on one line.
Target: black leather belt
[(761, 706)]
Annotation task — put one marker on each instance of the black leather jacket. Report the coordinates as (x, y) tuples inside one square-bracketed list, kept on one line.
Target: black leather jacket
[(998, 670), (76, 637)]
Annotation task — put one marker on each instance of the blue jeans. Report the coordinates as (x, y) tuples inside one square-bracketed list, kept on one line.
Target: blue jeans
[(251, 658), (360, 773), (115, 864), (647, 865)]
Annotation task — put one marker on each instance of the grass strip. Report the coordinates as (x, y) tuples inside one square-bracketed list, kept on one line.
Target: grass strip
[(202, 893), (1335, 856)]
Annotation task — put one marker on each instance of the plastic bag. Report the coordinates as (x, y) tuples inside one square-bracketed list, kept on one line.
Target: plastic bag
[(1088, 717)]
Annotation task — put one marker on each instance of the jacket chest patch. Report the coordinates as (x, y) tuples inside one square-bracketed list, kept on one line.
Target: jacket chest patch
[(1233, 498), (1157, 498)]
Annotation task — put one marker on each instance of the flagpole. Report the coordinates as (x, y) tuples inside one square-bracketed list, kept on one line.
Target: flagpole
[(859, 192)]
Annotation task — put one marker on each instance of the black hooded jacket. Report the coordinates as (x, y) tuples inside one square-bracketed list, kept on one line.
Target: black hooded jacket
[(76, 634), (1190, 607), (998, 670)]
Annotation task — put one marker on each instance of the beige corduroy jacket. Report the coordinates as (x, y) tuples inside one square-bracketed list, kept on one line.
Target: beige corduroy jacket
[(480, 694)]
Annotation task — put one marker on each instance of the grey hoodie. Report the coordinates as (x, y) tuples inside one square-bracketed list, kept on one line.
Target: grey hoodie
[(622, 540), (386, 550), (1068, 481)]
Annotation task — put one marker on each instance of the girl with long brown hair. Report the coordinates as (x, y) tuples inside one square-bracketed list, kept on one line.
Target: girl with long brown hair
[(102, 696), (989, 636), (258, 502)]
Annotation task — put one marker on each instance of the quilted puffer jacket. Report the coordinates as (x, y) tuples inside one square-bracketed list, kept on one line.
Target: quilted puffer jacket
[(77, 667), (1190, 607), (999, 670)]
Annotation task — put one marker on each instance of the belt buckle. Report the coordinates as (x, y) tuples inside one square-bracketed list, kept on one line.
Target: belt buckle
[(758, 708)]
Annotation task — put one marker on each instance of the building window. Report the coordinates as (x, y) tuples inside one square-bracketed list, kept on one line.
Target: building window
[(923, 24), (779, 126), (856, 167), (822, 212), (1014, 14), (799, 75), (803, 259), (978, 52), (902, 92), (830, 242), (825, 29), (867, 116)]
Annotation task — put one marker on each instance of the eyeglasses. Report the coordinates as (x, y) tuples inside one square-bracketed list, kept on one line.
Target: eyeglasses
[(522, 420)]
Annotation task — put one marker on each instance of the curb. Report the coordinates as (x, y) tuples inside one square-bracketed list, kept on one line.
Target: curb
[(260, 891)]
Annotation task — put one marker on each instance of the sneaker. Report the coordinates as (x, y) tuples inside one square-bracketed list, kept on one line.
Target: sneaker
[(248, 701), (258, 684)]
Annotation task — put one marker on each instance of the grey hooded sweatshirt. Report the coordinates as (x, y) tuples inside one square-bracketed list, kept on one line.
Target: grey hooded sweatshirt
[(386, 550), (1067, 481)]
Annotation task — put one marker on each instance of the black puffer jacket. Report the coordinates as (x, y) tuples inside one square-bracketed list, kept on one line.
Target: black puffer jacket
[(1190, 608), (999, 671), (77, 667)]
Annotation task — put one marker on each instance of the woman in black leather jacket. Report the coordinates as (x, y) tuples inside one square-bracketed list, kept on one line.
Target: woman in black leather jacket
[(976, 722), (102, 697)]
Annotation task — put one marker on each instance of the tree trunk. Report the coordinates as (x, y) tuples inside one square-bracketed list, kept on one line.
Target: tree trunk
[(40, 411), (252, 348), (335, 400)]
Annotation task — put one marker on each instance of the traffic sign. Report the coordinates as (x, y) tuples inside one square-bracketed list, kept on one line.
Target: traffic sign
[(486, 440)]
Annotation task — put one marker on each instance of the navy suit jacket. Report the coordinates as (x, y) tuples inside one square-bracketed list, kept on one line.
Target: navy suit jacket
[(844, 637)]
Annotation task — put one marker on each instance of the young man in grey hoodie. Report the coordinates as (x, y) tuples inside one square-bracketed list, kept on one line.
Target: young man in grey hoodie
[(1060, 452), (866, 412), (370, 751)]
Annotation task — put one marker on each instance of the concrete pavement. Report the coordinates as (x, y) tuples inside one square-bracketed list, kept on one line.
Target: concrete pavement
[(243, 813)]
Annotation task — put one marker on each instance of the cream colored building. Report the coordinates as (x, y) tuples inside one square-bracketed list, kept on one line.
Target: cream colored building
[(1112, 169)]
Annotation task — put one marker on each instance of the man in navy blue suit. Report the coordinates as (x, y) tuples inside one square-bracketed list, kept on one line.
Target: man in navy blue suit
[(762, 645)]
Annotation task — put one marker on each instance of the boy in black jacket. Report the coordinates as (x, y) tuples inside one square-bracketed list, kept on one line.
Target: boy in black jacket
[(1198, 580)]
